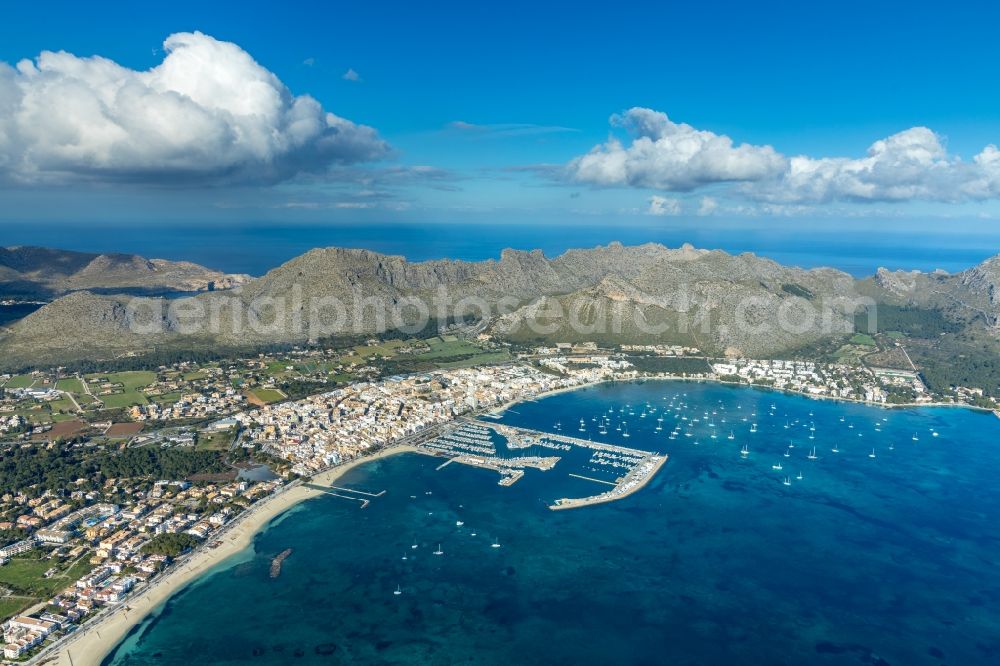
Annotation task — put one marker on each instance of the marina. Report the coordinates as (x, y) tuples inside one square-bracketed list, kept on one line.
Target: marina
[(632, 468)]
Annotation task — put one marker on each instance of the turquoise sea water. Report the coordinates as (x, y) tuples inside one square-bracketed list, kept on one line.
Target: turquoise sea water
[(885, 560)]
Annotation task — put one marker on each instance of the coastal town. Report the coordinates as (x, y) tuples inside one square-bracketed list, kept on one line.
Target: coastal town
[(72, 553)]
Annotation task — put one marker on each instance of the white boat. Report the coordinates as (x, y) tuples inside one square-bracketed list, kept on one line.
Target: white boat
[(404, 556), (459, 523), (414, 546), (731, 435), (753, 427), (745, 451), (915, 438), (872, 454), (776, 467), (788, 453), (398, 591), (787, 481), (439, 551), (799, 476), (495, 544), (812, 454), (835, 449)]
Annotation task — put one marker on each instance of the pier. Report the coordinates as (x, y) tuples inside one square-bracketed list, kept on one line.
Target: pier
[(632, 482), (467, 442), (588, 478), (331, 490), (277, 561)]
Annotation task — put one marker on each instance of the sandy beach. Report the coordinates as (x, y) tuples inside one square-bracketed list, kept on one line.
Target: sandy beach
[(93, 642)]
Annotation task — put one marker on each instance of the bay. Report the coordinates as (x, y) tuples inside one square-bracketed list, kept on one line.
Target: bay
[(884, 560)]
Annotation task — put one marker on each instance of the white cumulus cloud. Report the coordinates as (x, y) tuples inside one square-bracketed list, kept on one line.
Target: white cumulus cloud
[(663, 155), (707, 206), (207, 114), (912, 164), (672, 156), (663, 206)]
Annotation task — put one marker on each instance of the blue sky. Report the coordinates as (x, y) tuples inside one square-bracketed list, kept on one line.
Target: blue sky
[(489, 113)]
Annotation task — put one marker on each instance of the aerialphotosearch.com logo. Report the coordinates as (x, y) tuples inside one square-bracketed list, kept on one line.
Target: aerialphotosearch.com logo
[(293, 315)]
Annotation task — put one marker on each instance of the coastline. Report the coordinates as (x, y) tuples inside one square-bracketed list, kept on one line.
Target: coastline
[(96, 639)]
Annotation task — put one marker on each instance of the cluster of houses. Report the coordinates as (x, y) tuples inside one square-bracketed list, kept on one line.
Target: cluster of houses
[(116, 537), (832, 380), (191, 405), (327, 429)]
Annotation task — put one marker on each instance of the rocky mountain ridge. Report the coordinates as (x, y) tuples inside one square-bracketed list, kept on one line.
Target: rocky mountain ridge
[(38, 272), (722, 303)]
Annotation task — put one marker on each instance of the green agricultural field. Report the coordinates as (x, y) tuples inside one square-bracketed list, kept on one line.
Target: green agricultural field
[(35, 416), (24, 575), (19, 381), (267, 395), (12, 605), (852, 354), (451, 347), (215, 441), (387, 348), (62, 405), (132, 380), (166, 398), (126, 399), (484, 357), (862, 339), (70, 385)]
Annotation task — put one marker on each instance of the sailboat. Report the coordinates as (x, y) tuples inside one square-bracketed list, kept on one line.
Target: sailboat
[(753, 427), (835, 449), (799, 476), (915, 438), (788, 453), (439, 551), (398, 591), (731, 435), (495, 544), (625, 433), (872, 454), (776, 467), (786, 482), (812, 454), (745, 451)]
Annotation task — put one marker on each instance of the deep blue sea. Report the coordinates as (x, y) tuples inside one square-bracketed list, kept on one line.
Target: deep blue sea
[(255, 248), (891, 560)]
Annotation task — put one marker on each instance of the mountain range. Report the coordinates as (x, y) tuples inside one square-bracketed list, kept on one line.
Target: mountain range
[(44, 273), (721, 303)]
